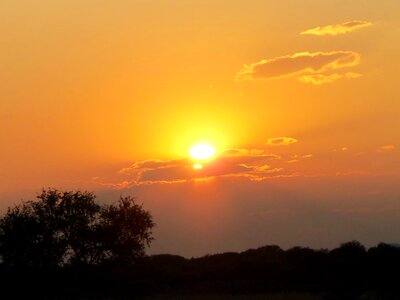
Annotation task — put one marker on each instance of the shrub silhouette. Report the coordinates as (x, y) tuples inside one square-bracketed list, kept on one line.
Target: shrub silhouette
[(69, 228)]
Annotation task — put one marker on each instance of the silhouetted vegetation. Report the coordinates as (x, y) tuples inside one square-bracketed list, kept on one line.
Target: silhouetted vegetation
[(65, 245), (71, 229)]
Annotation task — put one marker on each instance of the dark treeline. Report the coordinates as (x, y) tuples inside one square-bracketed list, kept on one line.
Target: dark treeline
[(347, 272), (65, 245)]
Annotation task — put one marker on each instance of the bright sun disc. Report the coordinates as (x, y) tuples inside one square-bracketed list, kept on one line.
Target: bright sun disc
[(202, 151)]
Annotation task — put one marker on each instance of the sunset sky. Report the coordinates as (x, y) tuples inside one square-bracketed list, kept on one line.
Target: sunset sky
[(299, 98)]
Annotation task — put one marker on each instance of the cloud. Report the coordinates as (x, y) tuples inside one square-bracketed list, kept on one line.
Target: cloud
[(243, 152), (253, 164), (296, 158), (385, 148), (148, 165), (337, 28), (299, 64), (249, 164), (281, 141), (233, 162), (319, 79)]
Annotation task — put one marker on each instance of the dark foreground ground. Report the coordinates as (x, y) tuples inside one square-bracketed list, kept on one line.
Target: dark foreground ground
[(347, 272), (273, 296), (294, 296)]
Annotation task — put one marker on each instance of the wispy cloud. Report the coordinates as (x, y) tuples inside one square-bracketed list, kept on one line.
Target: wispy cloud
[(296, 158), (281, 141), (252, 164), (257, 164), (386, 148), (299, 65), (234, 162), (337, 29), (318, 79)]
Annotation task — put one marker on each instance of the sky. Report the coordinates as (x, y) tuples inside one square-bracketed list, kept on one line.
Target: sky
[(300, 99)]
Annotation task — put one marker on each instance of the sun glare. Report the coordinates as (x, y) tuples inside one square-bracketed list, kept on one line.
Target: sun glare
[(197, 166), (202, 151)]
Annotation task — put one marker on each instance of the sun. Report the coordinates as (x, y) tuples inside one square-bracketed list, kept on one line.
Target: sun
[(202, 151)]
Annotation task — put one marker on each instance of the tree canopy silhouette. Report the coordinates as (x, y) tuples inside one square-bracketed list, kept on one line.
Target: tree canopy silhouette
[(70, 228)]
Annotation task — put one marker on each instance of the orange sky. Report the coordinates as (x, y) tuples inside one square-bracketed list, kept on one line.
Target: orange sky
[(296, 96)]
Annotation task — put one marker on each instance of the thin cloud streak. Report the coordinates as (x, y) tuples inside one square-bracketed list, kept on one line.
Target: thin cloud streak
[(299, 64), (281, 141), (386, 148), (318, 79), (337, 29)]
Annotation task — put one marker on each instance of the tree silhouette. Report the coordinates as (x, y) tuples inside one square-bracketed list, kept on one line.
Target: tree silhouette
[(70, 228), (125, 230)]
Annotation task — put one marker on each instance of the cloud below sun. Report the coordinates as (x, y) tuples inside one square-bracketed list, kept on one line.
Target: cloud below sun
[(231, 163), (278, 157), (253, 164)]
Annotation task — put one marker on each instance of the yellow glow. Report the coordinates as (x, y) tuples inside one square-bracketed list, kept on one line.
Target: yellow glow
[(202, 151), (197, 166)]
